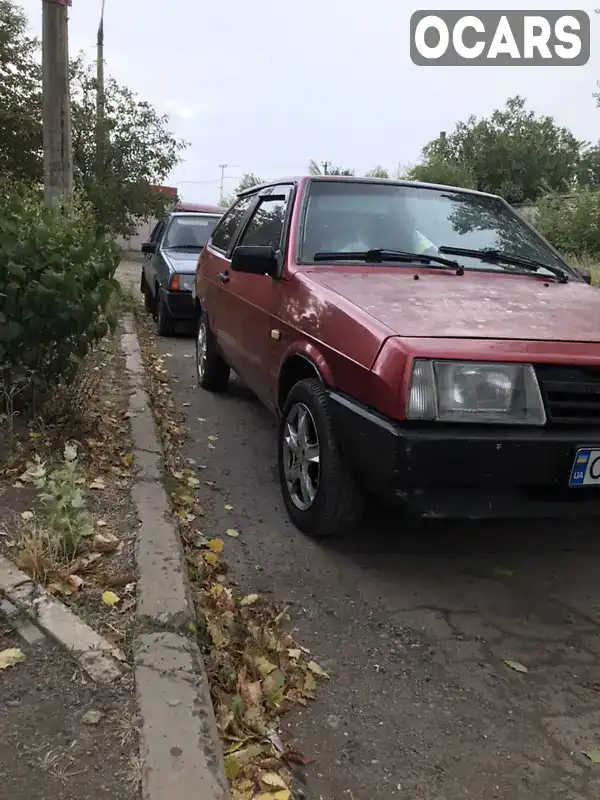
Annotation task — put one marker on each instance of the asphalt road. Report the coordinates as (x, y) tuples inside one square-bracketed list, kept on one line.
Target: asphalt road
[(414, 623)]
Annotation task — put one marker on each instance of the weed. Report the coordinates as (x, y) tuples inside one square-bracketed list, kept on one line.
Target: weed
[(54, 540)]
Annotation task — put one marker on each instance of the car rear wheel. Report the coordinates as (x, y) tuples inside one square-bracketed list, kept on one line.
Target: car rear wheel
[(165, 324), (212, 371), (320, 495)]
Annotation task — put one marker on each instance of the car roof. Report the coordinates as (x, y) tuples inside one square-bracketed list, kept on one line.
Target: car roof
[(198, 208), (302, 179)]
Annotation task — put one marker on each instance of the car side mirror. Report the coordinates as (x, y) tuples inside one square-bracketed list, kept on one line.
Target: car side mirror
[(149, 247), (255, 260)]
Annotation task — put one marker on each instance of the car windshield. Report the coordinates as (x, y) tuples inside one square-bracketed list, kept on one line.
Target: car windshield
[(189, 230), (350, 216)]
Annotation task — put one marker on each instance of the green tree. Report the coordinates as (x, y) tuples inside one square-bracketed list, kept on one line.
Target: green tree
[(513, 153), (572, 223), (315, 169), (20, 98), (377, 172), (438, 169), (139, 151), (588, 172), (247, 181)]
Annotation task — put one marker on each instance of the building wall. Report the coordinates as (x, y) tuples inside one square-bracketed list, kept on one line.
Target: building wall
[(142, 234)]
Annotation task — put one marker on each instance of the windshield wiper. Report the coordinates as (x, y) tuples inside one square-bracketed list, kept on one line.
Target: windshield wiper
[(499, 256), (380, 255)]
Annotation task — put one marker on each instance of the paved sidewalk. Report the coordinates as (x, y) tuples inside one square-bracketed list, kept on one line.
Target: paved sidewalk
[(47, 749)]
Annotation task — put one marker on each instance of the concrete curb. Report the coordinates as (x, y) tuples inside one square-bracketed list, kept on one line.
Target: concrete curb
[(95, 654), (180, 747)]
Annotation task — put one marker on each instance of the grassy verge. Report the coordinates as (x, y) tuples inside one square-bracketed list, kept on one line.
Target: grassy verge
[(66, 516), (257, 672), (588, 263)]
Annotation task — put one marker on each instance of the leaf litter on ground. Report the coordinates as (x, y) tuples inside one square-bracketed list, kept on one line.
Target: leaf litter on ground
[(257, 672), (11, 657), (516, 666)]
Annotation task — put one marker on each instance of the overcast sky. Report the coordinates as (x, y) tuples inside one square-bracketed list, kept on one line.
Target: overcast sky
[(267, 85)]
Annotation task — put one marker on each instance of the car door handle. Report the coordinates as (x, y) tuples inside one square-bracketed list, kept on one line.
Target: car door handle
[(223, 277)]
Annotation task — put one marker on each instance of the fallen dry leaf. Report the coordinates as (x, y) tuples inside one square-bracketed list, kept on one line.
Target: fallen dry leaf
[(228, 507), (516, 666), (118, 581), (216, 545), (210, 557), (249, 600), (10, 657), (295, 653), (110, 598), (97, 484), (101, 523), (232, 532), (92, 717), (316, 669), (27, 515), (105, 543), (297, 758), (593, 755), (273, 780)]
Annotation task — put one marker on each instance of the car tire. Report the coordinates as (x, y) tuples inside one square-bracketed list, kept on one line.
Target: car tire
[(337, 503), (165, 324), (145, 290), (212, 371)]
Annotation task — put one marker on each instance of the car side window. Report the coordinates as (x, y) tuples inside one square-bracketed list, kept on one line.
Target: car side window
[(158, 230), (266, 226), (225, 231)]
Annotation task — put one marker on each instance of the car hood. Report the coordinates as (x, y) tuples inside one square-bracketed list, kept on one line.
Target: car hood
[(182, 261), (477, 305)]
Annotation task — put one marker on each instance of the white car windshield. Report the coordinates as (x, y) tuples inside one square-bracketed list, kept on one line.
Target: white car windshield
[(351, 216)]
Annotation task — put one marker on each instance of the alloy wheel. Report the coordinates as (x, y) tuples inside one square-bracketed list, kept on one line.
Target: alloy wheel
[(201, 350), (301, 456)]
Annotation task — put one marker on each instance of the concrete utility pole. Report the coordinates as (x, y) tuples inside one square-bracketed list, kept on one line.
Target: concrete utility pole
[(56, 114), (100, 96), (326, 165), (223, 168)]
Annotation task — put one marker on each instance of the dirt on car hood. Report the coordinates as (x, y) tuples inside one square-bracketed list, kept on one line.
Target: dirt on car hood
[(481, 305)]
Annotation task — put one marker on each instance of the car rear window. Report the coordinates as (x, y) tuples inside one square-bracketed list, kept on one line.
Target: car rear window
[(189, 231)]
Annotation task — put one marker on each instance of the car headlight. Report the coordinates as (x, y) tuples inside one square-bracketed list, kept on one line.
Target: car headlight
[(181, 283), (465, 391)]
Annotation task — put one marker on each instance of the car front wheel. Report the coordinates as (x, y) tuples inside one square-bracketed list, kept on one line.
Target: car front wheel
[(212, 371), (148, 299), (319, 492), (165, 324)]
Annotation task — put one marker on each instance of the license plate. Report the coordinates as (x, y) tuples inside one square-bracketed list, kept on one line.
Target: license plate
[(586, 468)]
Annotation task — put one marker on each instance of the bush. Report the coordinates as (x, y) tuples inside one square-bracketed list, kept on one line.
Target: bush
[(572, 224), (56, 280)]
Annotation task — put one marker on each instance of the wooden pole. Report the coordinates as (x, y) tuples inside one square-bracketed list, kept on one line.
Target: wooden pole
[(100, 98), (56, 112)]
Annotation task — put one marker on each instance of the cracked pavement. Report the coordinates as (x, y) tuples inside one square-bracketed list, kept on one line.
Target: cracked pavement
[(414, 622)]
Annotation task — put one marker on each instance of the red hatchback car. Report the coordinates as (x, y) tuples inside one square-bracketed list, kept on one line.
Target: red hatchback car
[(420, 343)]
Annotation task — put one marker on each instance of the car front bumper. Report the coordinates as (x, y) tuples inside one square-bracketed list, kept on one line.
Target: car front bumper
[(465, 471), (180, 305)]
